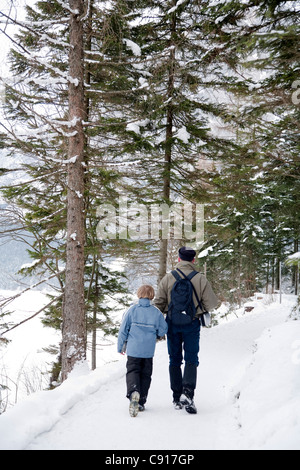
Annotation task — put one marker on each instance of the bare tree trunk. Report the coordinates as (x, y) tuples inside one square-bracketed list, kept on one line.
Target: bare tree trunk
[(239, 269), (74, 328), (163, 255), (296, 269), (94, 331)]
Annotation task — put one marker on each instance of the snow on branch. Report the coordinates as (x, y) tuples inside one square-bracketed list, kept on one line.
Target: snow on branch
[(178, 4), (31, 26), (69, 124), (75, 81), (295, 256), (66, 6), (88, 10), (135, 48), (293, 260)]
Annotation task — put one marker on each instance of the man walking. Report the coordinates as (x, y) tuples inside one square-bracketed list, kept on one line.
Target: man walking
[(184, 335)]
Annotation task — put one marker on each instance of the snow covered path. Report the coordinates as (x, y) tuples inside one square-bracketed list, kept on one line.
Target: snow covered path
[(237, 381)]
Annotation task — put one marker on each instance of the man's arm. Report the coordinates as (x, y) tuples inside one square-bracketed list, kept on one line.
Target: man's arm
[(162, 327), (209, 298), (161, 298)]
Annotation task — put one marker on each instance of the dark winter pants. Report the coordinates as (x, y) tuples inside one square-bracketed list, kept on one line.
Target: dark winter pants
[(138, 377), (184, 338)]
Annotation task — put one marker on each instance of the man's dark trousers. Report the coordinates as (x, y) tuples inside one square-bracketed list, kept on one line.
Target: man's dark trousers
[(185, 339)]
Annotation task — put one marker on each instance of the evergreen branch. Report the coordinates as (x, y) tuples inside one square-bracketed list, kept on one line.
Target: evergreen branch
[(32, 316), (13, 41), (11, 299), (25, 25), (25, 183)]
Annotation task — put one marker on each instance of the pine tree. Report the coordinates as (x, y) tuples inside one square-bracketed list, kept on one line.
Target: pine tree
[(73, 328), (62, 180), (259, 179), (177, 80)]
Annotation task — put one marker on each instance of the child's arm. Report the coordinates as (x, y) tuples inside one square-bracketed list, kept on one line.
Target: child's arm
[(123, 352), (124, 332)]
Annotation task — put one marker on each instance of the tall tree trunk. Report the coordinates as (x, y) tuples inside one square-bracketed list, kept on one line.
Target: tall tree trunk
[(273, 275), (239, 268), (296, 269), (94, 333), (268, 276), (74, 328), (163, 255)]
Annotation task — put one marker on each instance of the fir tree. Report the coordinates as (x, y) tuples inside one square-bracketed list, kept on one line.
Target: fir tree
[(40, 102), (260, 41), (177, 80)]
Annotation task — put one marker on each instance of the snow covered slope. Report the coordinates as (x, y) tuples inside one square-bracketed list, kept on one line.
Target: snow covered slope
[(248, 397)]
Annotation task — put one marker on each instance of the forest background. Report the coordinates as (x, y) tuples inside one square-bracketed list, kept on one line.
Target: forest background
[(159, 102)]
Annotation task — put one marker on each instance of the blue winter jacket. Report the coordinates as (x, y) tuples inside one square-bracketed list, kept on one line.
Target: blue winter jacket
[(141, 326)]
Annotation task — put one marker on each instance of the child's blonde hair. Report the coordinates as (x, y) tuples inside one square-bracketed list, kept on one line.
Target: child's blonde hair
[(146, 292)]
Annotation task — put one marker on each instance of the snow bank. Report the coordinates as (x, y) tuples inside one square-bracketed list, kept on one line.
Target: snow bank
[(268, 395), (24, 364), (41, 411)]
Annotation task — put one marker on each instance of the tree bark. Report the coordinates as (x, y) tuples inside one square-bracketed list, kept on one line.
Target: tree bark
[(296, 269), (163, 255), (74, 328)]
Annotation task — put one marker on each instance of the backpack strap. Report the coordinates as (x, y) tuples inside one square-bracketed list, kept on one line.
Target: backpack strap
[(176, 275), (190, 276)]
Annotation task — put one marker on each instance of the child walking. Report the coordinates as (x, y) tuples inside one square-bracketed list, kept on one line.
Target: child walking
[(141, 326)]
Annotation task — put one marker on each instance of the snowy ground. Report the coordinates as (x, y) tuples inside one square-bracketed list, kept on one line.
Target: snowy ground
[(24, 364), (248, 397)]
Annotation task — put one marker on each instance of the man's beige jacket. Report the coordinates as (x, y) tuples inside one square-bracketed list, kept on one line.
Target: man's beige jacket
[(203, 288)]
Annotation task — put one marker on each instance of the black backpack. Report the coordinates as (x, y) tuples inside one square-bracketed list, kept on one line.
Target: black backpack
[(182, 308)]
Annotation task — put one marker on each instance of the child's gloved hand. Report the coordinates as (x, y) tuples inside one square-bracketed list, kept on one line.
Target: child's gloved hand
[(123, 352), (160, 338)]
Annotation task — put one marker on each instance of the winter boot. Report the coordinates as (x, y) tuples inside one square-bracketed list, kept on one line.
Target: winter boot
[(191, 408), (177, 405), (134, 404), (187, 401)]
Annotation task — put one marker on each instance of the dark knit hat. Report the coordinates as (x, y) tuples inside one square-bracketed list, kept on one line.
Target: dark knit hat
[(187, 254)]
